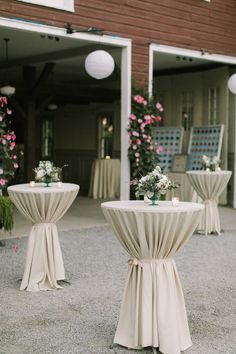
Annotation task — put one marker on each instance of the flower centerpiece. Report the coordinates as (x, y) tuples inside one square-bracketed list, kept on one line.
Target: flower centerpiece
[(143, 154), (46, 172), (153, 185), (210, 163)]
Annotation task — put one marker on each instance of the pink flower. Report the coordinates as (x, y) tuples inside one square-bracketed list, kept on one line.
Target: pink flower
[(12, 145), (15, 165), (1, 171), (144, 102), (9, 111), (13, 136), (2, 182), (135, 133), (158, 119), (132, 116), (159, 106), (159, 149), (14, 157), (140, 121), (138, 142), (4, 141), (8, 137), (144, 136), (138, 99)]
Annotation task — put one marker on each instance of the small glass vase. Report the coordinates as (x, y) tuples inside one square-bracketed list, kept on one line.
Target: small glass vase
[(47, 181), (154, 199)]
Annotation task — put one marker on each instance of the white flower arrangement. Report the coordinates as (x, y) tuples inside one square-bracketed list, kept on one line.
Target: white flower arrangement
[(47, 171), (154, 182), (210, 163)]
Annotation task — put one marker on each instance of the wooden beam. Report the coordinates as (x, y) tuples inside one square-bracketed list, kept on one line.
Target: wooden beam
[(44, 104), (17, 107), (58, 55), (43, 77)]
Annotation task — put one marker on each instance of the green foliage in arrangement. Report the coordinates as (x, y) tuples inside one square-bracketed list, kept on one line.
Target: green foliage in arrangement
[(6, 213)]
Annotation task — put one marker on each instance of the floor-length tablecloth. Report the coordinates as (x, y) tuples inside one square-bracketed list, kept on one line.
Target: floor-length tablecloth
[(153, 309), (209, 186), (185, 192), (43, 206), (105, 179)]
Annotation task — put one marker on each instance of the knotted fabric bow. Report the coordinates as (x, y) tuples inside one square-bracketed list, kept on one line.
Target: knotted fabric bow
[(135, 262)]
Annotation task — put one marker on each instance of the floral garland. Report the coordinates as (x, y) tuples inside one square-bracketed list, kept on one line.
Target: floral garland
[(143, 155), (8, 157)]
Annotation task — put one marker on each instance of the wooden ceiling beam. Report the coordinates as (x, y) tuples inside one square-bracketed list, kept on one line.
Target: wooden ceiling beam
[(56, 56)]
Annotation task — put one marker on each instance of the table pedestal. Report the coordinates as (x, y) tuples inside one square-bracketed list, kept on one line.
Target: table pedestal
[(210, 221), (44, 263), (153, 308)]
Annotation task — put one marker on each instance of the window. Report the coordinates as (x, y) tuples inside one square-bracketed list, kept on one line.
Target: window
[(47, 139), (213, 99), (105, 132), (187, 110), (67, 5)]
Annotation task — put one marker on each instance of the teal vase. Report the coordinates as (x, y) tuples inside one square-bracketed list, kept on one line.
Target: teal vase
[(47, 181), (154, 200)]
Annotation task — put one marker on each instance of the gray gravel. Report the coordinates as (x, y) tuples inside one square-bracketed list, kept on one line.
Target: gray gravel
[(82, 317)]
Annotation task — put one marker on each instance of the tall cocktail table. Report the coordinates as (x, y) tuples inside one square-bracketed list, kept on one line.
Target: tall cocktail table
[(43, 206), (153, 309), (209, 186)]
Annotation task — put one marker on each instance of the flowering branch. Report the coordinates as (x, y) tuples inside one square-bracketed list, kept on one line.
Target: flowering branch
[(8, 157), (146, 114)]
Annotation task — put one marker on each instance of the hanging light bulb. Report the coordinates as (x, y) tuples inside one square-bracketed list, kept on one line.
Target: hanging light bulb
[(99, 64), (7, 89)]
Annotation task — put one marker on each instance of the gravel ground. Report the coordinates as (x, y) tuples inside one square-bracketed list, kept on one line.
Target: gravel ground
[(81, 318)]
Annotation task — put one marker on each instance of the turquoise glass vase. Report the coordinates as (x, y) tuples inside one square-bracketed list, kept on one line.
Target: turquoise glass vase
[(154, 200)]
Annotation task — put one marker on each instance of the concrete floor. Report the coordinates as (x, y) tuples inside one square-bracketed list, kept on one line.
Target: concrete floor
[(86, 212)]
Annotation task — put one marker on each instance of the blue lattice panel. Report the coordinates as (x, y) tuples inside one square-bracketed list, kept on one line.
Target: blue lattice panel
[(204, 140), (170, 140)]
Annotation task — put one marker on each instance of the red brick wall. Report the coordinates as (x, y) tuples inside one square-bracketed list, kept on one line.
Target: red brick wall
[(192, 24)]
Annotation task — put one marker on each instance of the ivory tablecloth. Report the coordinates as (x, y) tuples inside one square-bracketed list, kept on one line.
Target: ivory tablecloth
[(105, 179), (43, 206), (153, 310), (185, 191), (209, 186)]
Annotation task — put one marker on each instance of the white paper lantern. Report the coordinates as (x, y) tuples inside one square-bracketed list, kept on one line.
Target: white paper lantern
[(232, 83), (8, 90), (99, 64)]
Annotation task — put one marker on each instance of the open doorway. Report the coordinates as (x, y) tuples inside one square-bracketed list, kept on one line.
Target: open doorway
[(192, 86), (46, 65)]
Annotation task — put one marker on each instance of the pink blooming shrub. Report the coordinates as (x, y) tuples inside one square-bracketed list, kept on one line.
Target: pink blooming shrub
[(146, 114), (8, 157)]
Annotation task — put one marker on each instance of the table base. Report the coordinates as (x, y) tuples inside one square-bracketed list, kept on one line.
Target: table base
[(210, 221), (44, 263), (153, 311)]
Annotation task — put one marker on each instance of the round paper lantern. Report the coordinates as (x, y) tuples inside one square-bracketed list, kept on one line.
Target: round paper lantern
[(8, 90), (232, 83), (99, 64)]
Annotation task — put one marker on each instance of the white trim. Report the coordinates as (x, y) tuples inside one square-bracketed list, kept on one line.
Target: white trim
[(192, 53), (125, 112), (66, 5), (58, 31), (125, 44), (150, 71)]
